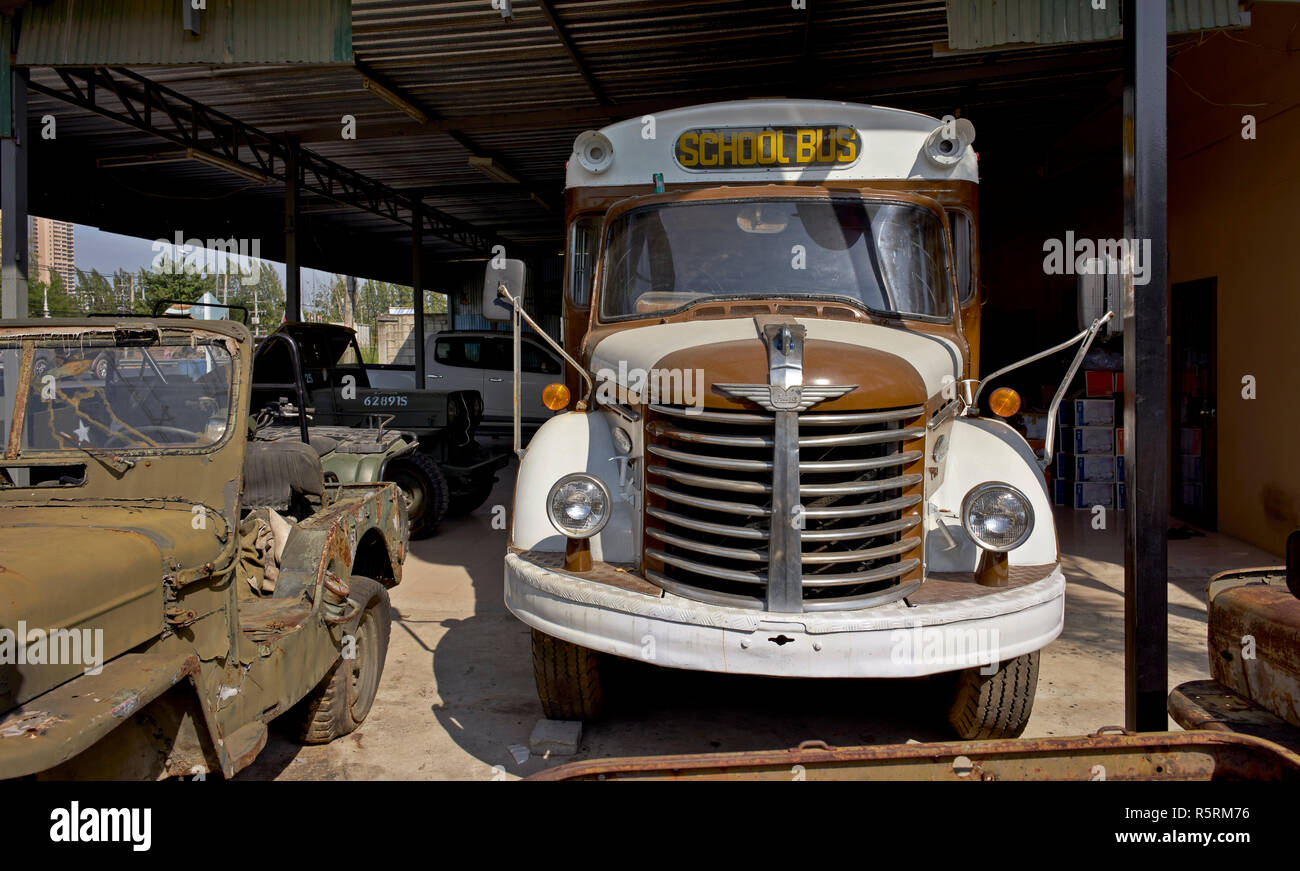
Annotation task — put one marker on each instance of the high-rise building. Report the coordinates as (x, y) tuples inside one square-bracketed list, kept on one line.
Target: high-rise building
[(53, 251)]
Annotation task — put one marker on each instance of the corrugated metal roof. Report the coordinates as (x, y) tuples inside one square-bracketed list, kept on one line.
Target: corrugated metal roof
[(139, 32), (512, 90), (976, 24)]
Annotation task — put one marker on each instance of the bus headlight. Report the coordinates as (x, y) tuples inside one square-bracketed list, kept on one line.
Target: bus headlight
[(579, 505), (997, 516)]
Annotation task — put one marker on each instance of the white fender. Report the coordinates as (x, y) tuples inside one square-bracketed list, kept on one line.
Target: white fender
[(982, 450), (568, 443)]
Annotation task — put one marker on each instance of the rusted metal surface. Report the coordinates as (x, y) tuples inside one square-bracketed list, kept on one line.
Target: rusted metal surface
[(20, 401), (1209, 705), (65, 721), (1254, 639), (1101, 756)]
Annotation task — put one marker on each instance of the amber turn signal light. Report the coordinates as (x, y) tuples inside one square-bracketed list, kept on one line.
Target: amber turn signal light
[(556, 396), (1004, 402)]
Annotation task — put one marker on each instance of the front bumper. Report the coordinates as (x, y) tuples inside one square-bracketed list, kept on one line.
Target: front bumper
[(892, 640)]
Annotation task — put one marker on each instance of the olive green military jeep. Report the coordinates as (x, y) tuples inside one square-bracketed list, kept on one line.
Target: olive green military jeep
[(170, 588)]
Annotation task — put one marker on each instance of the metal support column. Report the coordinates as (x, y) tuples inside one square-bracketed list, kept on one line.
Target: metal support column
[(417, 291), (292, 274), (13, 205), (1146, 369), (13, 232)]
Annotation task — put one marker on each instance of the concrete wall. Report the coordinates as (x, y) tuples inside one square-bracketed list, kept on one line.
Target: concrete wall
[(395, 335), (1234, 214)]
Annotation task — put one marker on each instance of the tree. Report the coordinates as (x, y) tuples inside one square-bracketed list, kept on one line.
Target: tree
[(169, 281), (95, 293), (262, 294), (53, 293)]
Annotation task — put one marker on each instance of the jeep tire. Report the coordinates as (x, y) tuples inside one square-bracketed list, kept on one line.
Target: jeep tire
[(423, 487), (341, 701)]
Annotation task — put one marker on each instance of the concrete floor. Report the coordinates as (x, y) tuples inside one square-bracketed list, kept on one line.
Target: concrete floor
[(458, 690)]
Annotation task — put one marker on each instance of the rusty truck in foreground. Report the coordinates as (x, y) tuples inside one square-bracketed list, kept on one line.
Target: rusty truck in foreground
[(1254, 651), (172, 586)]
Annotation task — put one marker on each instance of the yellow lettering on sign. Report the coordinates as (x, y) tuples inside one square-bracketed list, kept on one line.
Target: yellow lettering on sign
[(848, 145), (742, 147), (805, 146), (727, 150), (746, 157), (825, 154), (688, 143), (707, 138)]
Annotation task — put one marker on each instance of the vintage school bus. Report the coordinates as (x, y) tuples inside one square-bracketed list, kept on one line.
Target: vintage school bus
[(776, 461)]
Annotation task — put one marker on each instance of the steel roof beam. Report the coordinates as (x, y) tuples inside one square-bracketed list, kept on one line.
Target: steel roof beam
[(574, 55), (162, 112), (460, 138)]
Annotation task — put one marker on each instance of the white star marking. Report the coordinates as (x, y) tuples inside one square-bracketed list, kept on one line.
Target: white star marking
[(83, 432)]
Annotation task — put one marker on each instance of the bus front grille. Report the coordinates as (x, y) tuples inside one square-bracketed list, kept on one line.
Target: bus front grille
[(708, 505)]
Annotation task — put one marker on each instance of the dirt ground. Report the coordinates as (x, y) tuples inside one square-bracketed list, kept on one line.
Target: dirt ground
[(458, 702)]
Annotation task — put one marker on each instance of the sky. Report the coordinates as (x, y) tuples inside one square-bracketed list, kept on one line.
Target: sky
[(108, 252)]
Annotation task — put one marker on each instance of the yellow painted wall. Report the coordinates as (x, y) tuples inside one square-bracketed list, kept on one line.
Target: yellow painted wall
[(1234, 214)]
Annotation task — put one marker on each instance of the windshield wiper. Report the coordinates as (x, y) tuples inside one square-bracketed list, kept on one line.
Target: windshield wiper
[(108, 458)]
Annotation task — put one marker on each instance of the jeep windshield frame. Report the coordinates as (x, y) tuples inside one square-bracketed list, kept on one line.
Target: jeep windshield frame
[(889, 256), (123, 389)]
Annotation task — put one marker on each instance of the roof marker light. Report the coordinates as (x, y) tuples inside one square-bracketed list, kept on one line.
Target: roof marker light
[(594, 151)]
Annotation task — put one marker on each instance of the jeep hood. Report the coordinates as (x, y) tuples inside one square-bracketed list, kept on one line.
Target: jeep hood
[(58, 577), (891, 366)]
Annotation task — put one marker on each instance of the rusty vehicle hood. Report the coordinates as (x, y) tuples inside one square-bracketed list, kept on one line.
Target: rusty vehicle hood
[(892, 366), (94, 569)]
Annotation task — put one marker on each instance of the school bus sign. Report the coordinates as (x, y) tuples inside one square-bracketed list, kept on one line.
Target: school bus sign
[(749, 147)]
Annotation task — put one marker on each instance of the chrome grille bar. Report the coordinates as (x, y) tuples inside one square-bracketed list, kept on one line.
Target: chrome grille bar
[(839, 556), (891, 570), (710, 482), (840, 534), (859, 486), (729, 463), (711, 549), (711, 571), (712, 528), (711, 504)]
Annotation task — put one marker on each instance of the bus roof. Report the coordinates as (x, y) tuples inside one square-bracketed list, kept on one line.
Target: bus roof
[(764, 141)]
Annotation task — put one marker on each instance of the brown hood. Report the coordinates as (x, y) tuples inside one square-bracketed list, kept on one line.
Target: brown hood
[(891, 367)]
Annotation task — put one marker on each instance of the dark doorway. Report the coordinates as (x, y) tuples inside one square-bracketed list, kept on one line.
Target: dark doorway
[(1193, 408)]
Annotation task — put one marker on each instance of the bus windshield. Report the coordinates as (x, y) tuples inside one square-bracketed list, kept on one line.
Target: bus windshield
[(889, 257)]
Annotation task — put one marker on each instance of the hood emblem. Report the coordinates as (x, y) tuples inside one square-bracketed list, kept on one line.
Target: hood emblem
[(775, 398), (785, 390)]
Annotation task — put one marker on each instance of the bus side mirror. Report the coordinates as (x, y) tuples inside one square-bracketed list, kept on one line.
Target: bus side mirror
[(511, 274)]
